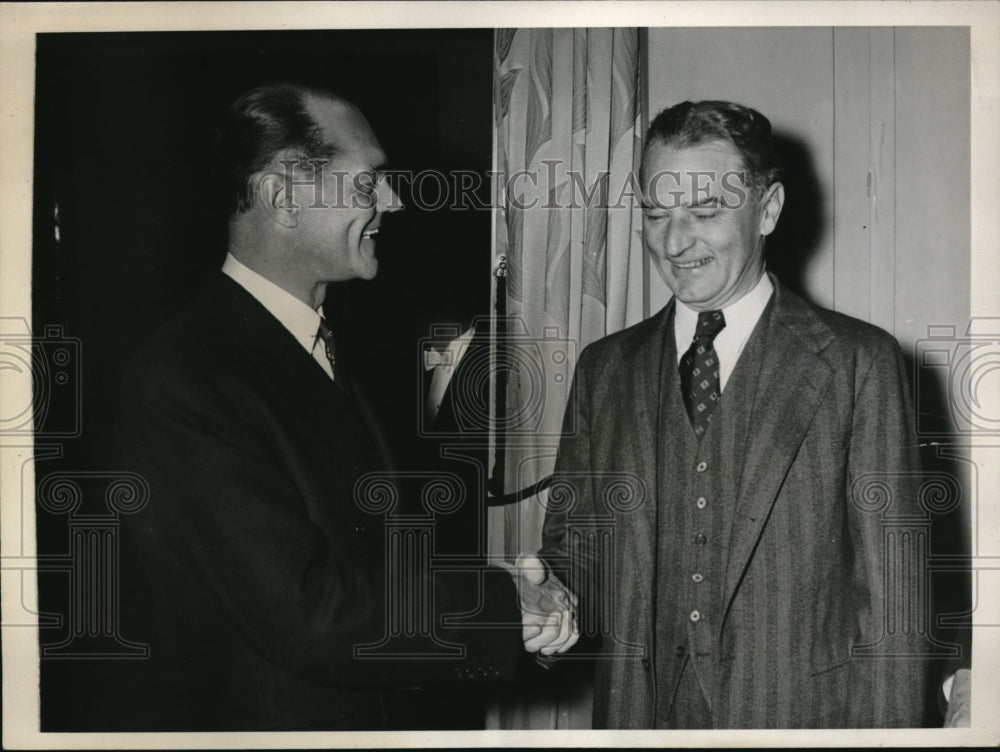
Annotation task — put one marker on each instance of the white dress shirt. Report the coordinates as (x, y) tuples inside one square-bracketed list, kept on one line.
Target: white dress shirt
[(444, 365), (297, 317), (741, 317)]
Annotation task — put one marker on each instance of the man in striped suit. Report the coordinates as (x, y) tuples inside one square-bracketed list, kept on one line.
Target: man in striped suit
[(753, 584)]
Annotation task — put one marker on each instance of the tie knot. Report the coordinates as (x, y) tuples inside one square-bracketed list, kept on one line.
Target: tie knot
[(325, 333), (710, 323)]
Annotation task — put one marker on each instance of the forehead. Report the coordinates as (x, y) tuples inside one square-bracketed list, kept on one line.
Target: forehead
[(345, 127), (686, 169)]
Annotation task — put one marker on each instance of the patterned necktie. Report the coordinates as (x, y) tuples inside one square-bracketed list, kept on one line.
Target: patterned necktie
[(326, 334), (699, 369)]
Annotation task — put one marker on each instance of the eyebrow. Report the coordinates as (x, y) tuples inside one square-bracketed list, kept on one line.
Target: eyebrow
[(378, 172)]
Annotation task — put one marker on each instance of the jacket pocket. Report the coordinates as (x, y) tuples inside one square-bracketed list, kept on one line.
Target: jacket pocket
[(830, 658), (835, 632)]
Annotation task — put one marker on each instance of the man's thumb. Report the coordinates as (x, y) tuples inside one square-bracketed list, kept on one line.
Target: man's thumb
[(531, 568)]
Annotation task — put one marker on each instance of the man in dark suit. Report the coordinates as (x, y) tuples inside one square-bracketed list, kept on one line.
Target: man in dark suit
[(264, 538), (771, 446)]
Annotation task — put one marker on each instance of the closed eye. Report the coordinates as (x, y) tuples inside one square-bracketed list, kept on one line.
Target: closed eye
[(367, 181)]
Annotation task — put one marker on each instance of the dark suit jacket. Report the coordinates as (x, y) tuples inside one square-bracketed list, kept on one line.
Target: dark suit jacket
[(267, 573), (829, 468), (457, 442)]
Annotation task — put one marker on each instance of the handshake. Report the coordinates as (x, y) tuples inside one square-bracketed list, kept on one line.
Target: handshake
[(548, 610)]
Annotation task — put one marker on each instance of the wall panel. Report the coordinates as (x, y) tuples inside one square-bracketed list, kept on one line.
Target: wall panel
[(932, 180)]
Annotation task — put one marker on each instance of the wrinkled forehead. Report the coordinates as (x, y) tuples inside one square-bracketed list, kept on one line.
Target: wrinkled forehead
[(345, 127), (691, 175)]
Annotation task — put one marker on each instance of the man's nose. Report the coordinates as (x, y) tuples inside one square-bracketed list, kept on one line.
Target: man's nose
[(679, 236), (388, 199)]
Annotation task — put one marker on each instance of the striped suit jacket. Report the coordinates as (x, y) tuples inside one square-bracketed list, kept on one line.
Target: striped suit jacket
[(819, 600)]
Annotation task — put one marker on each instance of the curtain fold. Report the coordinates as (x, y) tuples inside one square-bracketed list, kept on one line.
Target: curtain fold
[(568, 138)]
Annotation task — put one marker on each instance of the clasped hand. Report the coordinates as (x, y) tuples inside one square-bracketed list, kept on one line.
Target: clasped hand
[(548, 609)]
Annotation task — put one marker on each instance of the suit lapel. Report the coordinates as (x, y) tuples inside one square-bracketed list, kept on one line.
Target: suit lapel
[(274, 352), (792, 382), (639, 410), (293, 376)]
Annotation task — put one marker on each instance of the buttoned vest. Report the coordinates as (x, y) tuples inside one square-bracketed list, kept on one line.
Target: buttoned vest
[(697, 494)]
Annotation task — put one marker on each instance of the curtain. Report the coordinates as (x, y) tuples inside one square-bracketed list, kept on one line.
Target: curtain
[(568, 137)]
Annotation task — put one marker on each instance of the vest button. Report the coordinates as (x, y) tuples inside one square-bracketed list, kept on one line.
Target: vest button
[(701, 503), (696, 615), (697, 577), (701, 466), (679, 651), (700, 539)]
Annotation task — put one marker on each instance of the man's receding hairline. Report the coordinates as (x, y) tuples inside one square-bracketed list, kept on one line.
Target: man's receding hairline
[(679, 144), (343, 110), (313, 98), (676, 144)]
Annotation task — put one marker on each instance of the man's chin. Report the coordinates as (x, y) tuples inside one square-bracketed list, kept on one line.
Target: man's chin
[(693, 296), (367, 262), (369, 270)]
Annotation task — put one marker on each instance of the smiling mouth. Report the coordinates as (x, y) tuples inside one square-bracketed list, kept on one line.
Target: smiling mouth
[(369, 234), (691, 264)]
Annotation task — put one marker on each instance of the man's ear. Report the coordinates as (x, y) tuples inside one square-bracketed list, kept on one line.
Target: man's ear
[(271, 195), (770, 205)]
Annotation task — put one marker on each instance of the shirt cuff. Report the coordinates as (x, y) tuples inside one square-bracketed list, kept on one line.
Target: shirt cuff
[(946, 687)]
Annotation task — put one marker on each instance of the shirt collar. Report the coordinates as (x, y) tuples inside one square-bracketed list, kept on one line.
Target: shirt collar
[(297, 317), (741, 315)]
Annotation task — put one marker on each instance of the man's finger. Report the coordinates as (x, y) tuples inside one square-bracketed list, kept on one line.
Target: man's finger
[(543, 638), (530, 631), (547, 634), (565, 622), (558, 592), (572, 598), (573, 637), (532, 625)]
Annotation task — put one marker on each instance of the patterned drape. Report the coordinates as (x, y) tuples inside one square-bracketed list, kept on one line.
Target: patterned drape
[(568, 131)]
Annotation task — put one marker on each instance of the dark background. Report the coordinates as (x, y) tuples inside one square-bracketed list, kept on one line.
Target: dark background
[(126, 227)]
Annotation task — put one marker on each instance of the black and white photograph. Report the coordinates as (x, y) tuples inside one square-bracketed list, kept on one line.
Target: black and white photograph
[(445, 374)]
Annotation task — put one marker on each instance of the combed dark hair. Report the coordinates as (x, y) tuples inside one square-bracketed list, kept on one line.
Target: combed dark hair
[(696, 123), (261, 124)]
